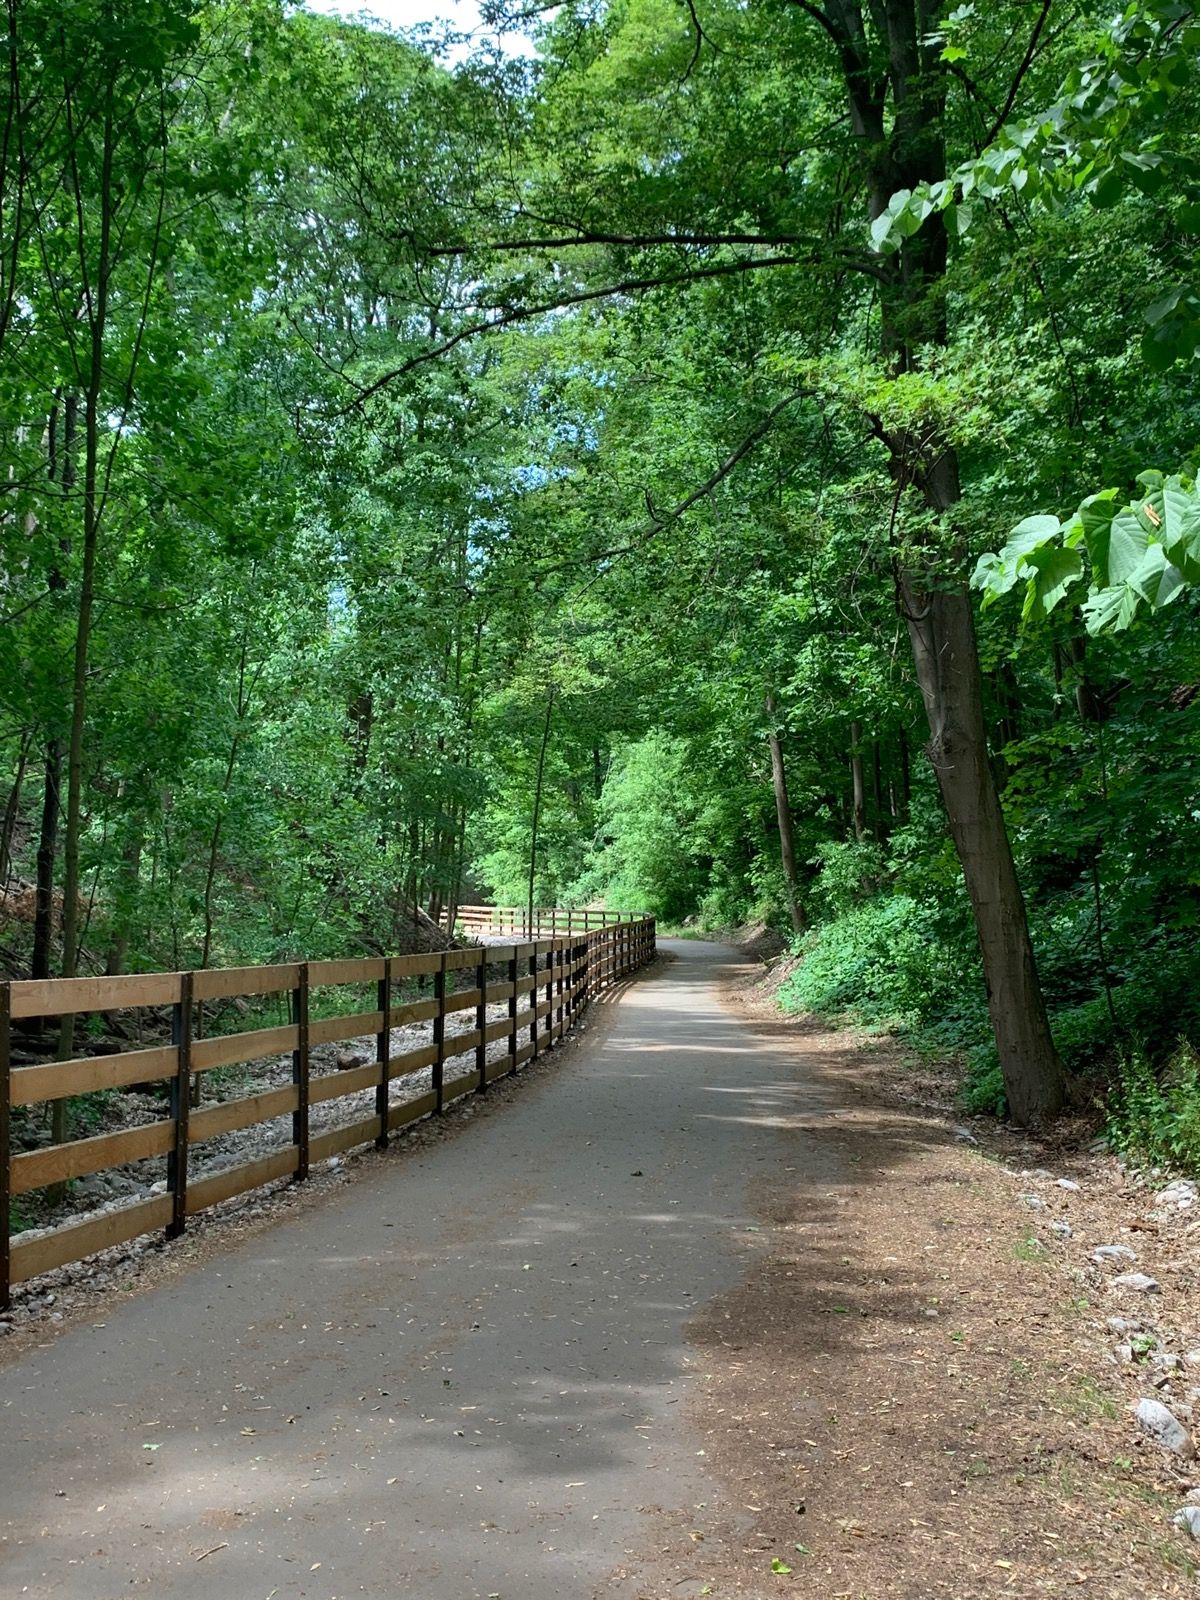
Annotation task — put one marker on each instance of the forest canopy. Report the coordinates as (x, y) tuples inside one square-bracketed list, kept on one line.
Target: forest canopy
[(734, 460)]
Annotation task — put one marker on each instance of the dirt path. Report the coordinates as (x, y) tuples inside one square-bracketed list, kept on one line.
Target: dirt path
[(677, 1318)]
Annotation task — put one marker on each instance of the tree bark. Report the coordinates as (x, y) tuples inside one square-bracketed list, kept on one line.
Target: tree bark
[(12, 809), (935, 604), (859, 787), (941, 630), (43, 905), (783, 815)]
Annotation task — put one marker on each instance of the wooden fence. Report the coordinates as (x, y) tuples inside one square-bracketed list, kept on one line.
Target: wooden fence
[(558, 974), (478, 921)]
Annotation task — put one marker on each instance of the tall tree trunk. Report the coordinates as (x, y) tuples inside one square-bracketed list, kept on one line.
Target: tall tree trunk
[(941, 629), (537, 802), (783, 815), (858, 786), (881, 828), (902, 144), (12, 809), (43, 905)]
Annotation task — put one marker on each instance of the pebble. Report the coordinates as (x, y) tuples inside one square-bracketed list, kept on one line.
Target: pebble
[(1192, 1358), (1181, 1193), (1062, 1229), (1139, 1282), (1034, 1202), (1067, 1183), (1123, 1324), (1163, 1428), (1113, 1252)]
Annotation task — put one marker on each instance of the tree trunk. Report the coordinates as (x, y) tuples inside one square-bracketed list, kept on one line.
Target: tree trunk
[(12, 809), (902, 142), (942, 633), (537, 802), (43, 906), (783, 814), (856, 775)]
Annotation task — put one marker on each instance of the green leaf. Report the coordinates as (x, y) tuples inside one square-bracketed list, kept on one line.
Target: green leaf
[(1056, 573)]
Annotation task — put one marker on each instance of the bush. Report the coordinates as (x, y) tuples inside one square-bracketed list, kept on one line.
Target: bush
[(1156, 1118), (891, 962)]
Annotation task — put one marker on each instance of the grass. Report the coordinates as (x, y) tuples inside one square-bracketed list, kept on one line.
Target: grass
[(1030, 1249)]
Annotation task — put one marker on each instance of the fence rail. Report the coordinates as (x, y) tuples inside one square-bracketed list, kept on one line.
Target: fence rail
[(478, 920), (555, 975)]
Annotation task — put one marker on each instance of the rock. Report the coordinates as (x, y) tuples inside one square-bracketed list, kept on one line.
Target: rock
[(1098, 1147), (1066, 1183), (1123, 1324), (1062, 1229), (1166, 1361), (1192, 1358), (1123, 1353), (1164, 1429), (1113, 1252), (1180, 1193), (1138, 1282), (1038, 1173), (350, 1059), (965, 1135), (1034, 1202), (1188, 1517)]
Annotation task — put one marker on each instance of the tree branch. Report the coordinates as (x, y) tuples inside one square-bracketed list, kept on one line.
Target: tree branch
[(527, 313), (1026, 63)]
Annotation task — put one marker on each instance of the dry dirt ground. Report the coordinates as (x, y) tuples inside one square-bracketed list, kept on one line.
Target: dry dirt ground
[(914, 1390)]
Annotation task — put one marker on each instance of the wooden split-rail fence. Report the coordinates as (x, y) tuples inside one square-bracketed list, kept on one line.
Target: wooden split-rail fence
[(555, 976)]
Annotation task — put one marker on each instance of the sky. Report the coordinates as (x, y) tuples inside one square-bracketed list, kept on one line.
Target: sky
[(462, 15)]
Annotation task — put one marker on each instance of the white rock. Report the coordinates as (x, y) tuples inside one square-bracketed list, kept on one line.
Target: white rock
[(1188, 1517), (1034, 1202), (1113, 1252), (1139, 1282), (1062, 1229), (1180, 1193), (1192, 1358), (1123, 1324), (1066, 1183), (1163, 1429)]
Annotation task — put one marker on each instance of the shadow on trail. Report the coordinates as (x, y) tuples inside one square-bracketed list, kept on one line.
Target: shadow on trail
[(464, 1374)]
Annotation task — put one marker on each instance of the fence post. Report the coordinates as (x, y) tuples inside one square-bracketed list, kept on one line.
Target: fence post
[(300, 1072), (553, 976), (181, 1099), (533, 1002), (5, 1139), (512, 1012), (383, 1054), (439, 1035), (481, 1023)]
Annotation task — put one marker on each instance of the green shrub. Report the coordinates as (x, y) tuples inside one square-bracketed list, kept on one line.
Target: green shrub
[(891, 962), (1156, 1117)]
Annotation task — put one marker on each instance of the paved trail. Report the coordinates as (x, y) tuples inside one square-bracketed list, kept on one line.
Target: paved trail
[(461, 1378)]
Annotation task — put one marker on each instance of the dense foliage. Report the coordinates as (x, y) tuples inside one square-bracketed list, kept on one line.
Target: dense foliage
[(558, 477)]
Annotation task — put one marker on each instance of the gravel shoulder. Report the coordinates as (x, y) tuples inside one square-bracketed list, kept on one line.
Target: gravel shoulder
[(925, 1382)]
